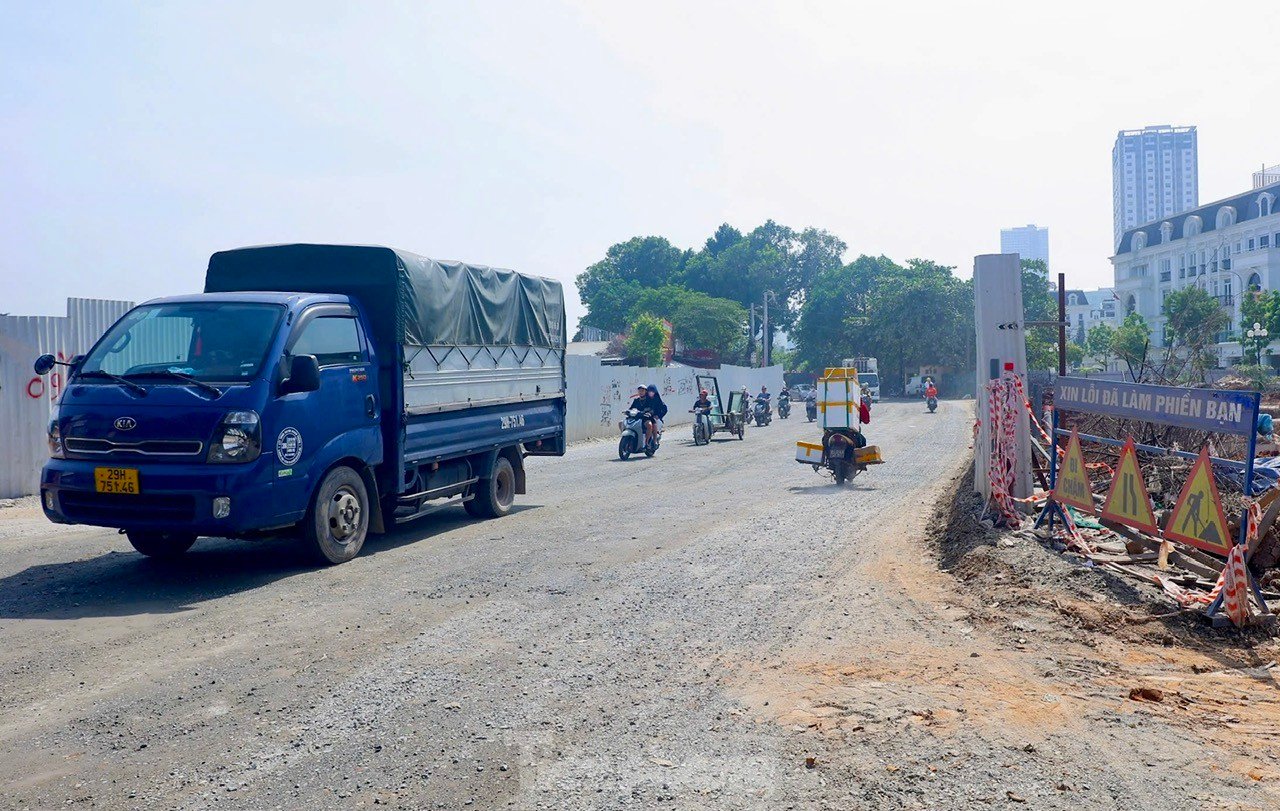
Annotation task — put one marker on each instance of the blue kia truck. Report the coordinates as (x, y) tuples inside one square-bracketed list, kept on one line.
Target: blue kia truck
[(325, 390)]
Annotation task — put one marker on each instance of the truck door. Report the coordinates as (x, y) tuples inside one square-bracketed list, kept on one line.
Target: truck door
[(309, 431)]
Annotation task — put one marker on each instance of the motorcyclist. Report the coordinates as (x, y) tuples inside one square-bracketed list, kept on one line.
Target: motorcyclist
[(930, 390), (703, 401), (784, 396), (658, 409), (641, 403), (763, 397)]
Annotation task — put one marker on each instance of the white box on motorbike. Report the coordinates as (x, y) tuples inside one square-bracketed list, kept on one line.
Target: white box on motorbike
[(809, 452), (839, 398)]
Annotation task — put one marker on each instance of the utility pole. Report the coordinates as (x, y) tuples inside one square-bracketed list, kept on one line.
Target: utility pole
[(751, 336), (764, 332), (1062, 325)]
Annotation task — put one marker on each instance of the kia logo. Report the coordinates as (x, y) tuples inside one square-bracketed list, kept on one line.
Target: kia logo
[(126, 423)]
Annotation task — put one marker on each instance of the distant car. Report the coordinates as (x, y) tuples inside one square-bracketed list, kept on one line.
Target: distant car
[(801, 391)]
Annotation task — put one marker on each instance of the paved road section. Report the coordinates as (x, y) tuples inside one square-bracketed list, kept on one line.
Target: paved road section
[(677, 632)]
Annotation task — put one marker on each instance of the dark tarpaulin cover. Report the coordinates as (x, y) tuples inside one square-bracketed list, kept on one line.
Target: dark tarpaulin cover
[(410, 299)]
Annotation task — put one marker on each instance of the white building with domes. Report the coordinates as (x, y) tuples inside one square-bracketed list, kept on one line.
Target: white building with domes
[(1229, 248)]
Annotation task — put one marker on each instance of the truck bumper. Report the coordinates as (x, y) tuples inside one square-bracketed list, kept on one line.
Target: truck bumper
[(178, 498)]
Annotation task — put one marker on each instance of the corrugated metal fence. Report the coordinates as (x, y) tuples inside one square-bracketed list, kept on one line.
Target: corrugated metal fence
[(26, 400)]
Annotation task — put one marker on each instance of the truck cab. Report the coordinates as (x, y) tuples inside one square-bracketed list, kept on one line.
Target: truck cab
[(244, 413)]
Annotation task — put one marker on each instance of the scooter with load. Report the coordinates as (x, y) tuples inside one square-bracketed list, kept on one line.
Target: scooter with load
[(843, 450)]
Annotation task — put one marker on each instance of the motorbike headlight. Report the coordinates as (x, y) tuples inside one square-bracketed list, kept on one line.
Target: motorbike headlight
[(55, 439), (238, 438)]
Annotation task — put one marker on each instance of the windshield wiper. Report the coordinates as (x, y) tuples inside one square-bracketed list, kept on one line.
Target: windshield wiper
[(104, 375), (200, 384)]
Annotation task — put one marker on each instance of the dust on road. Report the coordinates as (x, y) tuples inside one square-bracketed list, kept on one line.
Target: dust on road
[(717, 627)]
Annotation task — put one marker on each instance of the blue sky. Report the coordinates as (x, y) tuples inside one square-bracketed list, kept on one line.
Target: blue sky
[(137, 139)]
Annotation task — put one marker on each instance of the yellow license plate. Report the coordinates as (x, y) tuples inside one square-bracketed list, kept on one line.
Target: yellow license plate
[(116, 480)]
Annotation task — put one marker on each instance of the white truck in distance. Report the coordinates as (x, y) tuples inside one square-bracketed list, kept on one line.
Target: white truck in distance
[(868, 374)]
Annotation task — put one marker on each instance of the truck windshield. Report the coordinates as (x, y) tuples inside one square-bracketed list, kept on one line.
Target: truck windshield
[(870, 379), (208, 341)]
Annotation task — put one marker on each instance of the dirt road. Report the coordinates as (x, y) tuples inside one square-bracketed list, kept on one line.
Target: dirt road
[(718, 627)]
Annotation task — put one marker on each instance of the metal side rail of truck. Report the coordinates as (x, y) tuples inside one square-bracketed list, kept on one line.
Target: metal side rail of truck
[(325, 390)]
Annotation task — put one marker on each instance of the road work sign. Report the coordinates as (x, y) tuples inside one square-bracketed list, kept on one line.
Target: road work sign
[(1072, 486), (1127, 501), (1197, 517), (1232, 412)]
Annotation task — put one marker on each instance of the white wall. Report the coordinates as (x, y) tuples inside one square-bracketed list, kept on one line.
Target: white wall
[(599, 394), (596, 394)]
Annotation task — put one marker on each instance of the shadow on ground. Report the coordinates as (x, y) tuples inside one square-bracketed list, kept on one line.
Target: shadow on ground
[(126, 583)]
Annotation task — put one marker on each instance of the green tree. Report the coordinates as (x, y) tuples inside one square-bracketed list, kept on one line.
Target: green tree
[(1131, 343), (663, 301), (1259, 308), (609, 286), (904, 316), (1193, 318), (1099, 341), (703, 322), (1075, 355), (1039, 303), (646, 340)]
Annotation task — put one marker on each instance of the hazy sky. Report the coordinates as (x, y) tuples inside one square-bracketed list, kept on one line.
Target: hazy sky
[(136, 139)]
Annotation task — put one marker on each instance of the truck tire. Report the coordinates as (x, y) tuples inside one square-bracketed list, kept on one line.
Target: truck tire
[(337, 522), (161, 545), (495, 495)]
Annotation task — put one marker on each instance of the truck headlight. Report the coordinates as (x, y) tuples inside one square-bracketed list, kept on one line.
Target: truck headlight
[(238, 438), (55, 440)]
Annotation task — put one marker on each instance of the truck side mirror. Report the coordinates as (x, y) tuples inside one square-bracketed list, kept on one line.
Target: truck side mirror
[(44, 364), (304, 375)]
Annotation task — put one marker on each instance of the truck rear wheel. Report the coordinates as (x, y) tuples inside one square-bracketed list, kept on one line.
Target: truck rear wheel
[(161, 545), (495, 495), (338, 521)]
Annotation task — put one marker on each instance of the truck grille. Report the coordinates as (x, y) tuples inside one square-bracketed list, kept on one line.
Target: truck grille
[(81, 505), (151, 447)]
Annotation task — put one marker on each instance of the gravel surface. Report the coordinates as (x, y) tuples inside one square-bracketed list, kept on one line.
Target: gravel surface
[(717, 627)]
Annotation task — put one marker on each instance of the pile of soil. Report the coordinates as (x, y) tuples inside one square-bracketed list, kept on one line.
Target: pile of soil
[(1024, 574)]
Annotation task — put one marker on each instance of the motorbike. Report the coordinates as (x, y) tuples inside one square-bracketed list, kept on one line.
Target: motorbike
[(763, 413), (784, 407), (701, 425), (633, 434), (932, 402), (841, 454), (811, 409)]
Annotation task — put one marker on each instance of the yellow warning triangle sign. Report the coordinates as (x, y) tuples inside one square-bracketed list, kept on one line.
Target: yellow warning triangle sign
[(1197, 517), (1127, 500), (1072, 485)]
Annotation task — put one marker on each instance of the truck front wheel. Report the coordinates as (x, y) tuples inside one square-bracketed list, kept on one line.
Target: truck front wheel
[(338, 521), (494, 496), (161, 545)]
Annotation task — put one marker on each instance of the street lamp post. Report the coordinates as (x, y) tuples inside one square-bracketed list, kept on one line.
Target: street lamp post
[(1258, 334)]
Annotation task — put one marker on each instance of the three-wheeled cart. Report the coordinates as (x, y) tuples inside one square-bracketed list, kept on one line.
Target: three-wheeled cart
[(731, 420)]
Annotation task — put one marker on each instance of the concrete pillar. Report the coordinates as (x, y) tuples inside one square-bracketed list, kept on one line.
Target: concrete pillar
[(997, 300)]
